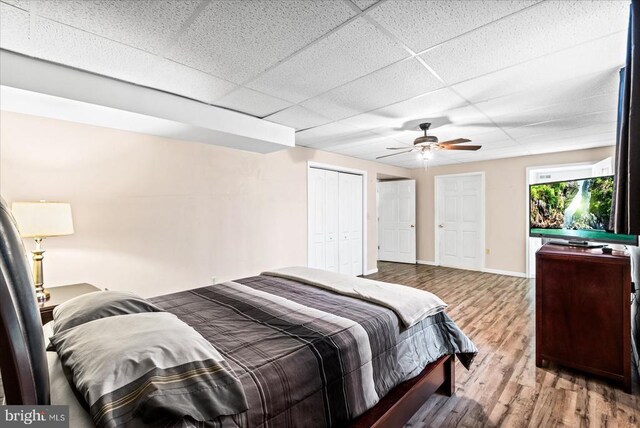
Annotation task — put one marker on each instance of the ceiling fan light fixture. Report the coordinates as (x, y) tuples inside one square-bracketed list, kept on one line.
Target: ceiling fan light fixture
[(426, 144), (425, 139), (424, 155)]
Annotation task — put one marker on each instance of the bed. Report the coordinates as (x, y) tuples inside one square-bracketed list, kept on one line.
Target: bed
[(304, 354)]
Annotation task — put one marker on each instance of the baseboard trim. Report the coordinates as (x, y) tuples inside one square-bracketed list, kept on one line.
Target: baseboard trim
[(505, 272), (372, 271), (496, 271)]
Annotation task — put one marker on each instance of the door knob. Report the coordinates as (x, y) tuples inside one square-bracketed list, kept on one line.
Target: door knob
[(441, 226), (412, 225)]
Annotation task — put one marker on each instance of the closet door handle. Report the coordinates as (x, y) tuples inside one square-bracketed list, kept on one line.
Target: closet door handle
[(413, 225)]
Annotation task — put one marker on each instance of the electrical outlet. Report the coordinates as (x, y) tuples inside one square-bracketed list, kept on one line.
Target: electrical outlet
[(487, 251)]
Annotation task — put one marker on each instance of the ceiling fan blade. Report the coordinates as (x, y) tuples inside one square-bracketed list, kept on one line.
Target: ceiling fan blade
[(393, 154), (461, 147), (398, 148), (456, 141)]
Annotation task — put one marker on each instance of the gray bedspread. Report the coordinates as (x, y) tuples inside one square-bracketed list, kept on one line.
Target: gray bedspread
[(307, 356)]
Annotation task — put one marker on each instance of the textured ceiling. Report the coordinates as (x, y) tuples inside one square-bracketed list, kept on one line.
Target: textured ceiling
[(357, 76)]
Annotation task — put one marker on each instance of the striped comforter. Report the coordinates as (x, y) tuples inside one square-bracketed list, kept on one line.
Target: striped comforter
[(309, 357)]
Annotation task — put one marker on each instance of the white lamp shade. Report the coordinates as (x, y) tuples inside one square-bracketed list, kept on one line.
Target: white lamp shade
[(43, 219)]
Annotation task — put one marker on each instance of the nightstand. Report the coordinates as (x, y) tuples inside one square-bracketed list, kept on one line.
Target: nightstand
[(60, 295)]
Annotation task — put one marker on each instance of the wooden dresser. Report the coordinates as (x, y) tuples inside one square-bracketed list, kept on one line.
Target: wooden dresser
[(583, 311)]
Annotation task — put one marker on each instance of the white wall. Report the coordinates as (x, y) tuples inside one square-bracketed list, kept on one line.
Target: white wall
[(153, 215)]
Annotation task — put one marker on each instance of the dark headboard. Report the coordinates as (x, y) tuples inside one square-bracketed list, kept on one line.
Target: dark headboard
[(23, 360)]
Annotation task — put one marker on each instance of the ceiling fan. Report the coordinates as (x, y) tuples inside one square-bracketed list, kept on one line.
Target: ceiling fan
[(427, 144)]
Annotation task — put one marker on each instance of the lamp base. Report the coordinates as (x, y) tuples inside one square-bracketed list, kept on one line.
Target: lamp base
[(41, 293)]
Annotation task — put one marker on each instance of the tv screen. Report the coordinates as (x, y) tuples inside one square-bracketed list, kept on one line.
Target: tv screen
[(576, 210)]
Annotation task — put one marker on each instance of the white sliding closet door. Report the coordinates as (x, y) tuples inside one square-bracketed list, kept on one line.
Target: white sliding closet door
[(331, 223), (323, 219), (317, 209), (335, 221), (350, 207)]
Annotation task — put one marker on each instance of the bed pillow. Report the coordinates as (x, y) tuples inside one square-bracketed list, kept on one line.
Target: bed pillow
[(149, 366), (96, 305)]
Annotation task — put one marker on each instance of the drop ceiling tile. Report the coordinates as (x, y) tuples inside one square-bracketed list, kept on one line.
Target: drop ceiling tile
[(540, 30), (518, 117), (179, 79), (14, 29), (481, 156), (567, 149), (354, 50), (604, 138), (66, 45), (365, 4), (298, 117), (491, 140), (553, 146), (564, 70), (22, 4), (397, 82), (471, 131), (373, 148), (559, 125), (252, 102), (564, 92), (331, 135), (422, 24), (145, 24), (464, 122), (405, 137), (571, 135), (406, 115), (368, 143), (237, 40)]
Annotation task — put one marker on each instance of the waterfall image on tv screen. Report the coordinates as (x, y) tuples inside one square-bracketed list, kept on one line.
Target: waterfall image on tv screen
[(575, 209)]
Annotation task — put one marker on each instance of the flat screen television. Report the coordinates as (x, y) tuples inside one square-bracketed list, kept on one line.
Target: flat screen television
[(574, 210)]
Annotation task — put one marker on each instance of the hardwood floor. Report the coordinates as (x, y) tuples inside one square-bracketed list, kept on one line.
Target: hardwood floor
[(504, 388)]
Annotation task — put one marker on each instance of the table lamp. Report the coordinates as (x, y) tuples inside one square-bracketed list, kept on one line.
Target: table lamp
[(41, 220)]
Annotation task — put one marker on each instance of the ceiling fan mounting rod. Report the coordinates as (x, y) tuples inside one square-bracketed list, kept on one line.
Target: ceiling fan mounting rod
[(425, 126)]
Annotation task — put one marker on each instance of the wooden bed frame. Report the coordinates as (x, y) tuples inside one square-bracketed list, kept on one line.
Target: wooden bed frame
[(23, 361), (402, 402)]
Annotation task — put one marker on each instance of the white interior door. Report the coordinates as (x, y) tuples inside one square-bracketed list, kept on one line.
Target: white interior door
[(350, 224), (460, 221), (397, 221)]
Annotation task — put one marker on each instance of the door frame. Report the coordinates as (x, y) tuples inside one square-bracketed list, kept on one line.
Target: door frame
[(436, 181), (363, 173)]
